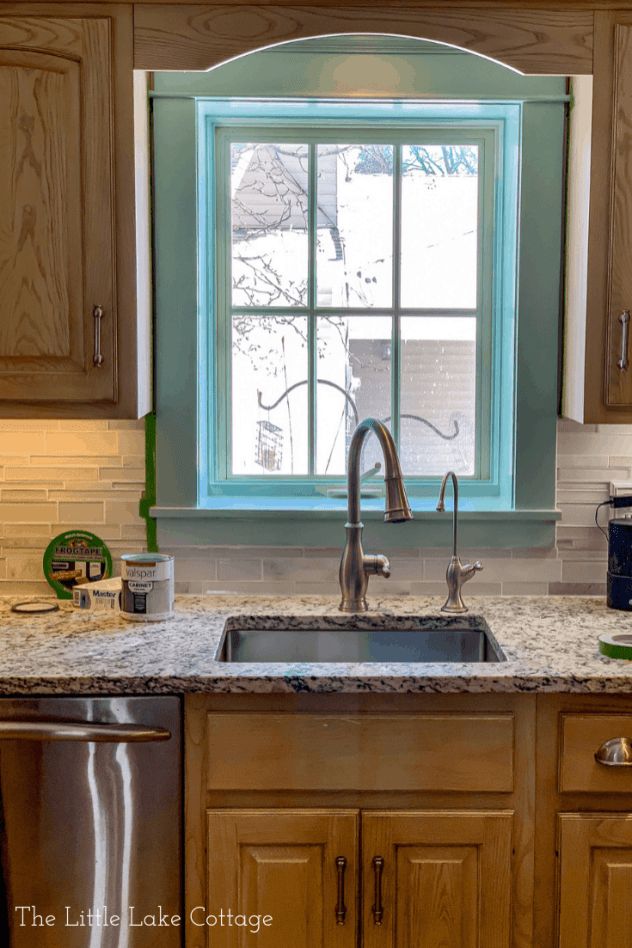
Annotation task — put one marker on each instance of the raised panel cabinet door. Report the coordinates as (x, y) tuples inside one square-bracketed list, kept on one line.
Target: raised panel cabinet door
[(297, 866), (595, 880), (436, 878), (619, 344), (57, 317)]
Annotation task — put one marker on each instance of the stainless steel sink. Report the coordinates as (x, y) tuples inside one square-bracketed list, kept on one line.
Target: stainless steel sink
[(361, 638)]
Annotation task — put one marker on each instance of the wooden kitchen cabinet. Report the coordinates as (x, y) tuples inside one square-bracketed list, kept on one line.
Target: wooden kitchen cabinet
[(597, 385), (437, 788), (73, 250), (439, 878), (297, 866), (595, 880)]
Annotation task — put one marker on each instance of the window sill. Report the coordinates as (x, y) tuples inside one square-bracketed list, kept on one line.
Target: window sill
[(315, 523)]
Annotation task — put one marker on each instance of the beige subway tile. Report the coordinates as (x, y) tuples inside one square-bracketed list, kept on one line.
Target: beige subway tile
[(93, 494), (17, 530), (589, 497), (81, 512), (525, 589), (197, 569), (577, 515), (124, 511), (239, 569), (233, 587), (133, 460), (584, 571), (134, 531), (577, 589), (126, 424), (53, 475), (29, 513), (23, 443), (107, 531), (24, 567), (584, 462), (79, 461), (22, 590), (82, 444), (304, 568), (83, 424), (131, 442), (3, 570), (123, 474), (33, 426), (27, 495)]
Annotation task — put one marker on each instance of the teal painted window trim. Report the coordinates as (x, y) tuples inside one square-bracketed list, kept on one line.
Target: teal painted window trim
[(495, 129), (526, 497)]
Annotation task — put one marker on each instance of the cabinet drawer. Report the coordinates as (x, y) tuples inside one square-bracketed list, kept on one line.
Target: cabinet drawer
[(581, 736), (467, 752)]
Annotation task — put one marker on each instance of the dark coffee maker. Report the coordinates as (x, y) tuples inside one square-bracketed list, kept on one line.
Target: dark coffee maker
[(619, 589)]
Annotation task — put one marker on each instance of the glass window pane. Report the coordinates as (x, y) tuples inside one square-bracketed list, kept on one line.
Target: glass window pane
[(354, 225), (439, 226), (268, 201), (438, 395), (354, 380), (269, 356)]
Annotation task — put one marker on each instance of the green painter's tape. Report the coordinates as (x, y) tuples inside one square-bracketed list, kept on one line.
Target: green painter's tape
[(616, 646), (74, 557)]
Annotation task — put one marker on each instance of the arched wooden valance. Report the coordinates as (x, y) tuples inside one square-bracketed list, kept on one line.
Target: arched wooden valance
[(199, 37)]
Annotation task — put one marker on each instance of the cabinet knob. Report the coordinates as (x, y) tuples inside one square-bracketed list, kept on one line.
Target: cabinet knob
[(617, 752), (624, 319), (97, 315)]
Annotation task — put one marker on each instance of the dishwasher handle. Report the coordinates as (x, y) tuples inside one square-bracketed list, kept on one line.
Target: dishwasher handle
[(34, 730)]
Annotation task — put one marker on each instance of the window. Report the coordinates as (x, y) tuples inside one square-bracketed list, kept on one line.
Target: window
[(354, 279), (318, 261)]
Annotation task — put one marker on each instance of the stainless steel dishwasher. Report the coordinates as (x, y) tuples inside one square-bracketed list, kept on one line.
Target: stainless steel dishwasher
[(91, 825)]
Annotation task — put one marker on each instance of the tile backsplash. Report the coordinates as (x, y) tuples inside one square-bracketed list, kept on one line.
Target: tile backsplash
[(60, 475)]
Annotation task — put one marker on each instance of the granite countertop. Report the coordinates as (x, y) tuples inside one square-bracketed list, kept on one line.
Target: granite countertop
[(550, 644)]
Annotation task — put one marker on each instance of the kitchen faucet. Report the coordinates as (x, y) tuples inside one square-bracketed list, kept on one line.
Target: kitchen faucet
[(356, 566), (457, 573)]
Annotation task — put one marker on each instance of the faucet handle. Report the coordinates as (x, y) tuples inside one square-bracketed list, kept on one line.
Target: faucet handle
[(378, 564), (468, 570)]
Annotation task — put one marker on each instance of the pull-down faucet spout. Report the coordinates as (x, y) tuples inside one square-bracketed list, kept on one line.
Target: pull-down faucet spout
[(356, 566)]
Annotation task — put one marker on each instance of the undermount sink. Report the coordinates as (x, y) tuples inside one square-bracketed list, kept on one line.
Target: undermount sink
[(358, 638)]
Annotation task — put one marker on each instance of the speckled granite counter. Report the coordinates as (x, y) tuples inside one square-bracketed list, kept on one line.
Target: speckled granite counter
[(550, 644)]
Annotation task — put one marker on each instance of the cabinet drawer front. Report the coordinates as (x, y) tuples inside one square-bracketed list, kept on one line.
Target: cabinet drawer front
[(469, 752), (581, 737)]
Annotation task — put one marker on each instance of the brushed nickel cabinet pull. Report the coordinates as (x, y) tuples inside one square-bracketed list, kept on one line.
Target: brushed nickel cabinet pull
[(378, 908), (341, 908), (624, 319), (97, 358), (617, 752)]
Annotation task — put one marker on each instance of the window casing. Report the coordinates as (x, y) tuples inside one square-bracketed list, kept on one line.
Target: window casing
[(514, 501)]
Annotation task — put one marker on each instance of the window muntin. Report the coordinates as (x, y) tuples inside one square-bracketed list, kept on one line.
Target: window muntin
[(382, 239)]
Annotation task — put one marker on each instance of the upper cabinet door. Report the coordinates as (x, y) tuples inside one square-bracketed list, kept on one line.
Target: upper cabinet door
[(57, 234), (436, 878), (619, 347)]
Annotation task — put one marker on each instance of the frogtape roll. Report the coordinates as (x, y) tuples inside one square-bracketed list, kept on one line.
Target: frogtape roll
[(618, 645)]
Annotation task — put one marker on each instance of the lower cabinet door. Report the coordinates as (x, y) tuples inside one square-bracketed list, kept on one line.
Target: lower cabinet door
[(595, 880), (289, 874), (436, 878)]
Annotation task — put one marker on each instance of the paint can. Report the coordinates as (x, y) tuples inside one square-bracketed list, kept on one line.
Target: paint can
[(148, 590)]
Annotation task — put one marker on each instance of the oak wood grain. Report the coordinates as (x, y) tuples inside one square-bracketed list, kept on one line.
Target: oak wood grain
[(282, 863), (361, 752), (596, 880), (446, 880), (199, 37), (56, 212)]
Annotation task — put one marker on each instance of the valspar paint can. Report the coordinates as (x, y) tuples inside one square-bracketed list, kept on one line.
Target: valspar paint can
[(148, 591)]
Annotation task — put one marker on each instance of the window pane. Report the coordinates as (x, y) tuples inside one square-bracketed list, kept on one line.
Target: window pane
[(268, 197), (439, 226), (355, 225), (438, 386), (354, 357), (269, 355)]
